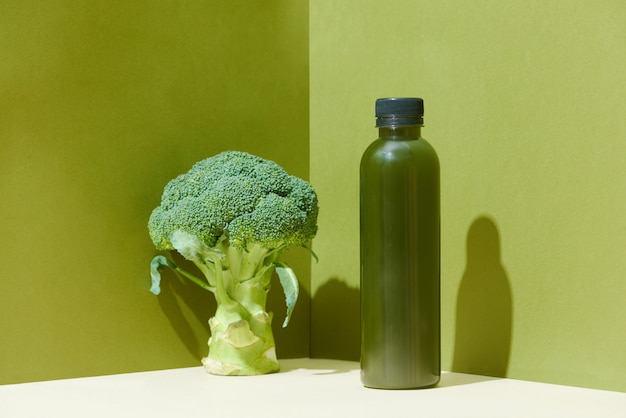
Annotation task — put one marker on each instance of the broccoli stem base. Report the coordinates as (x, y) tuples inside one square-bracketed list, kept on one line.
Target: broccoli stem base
[(242, 341), (241, 346)]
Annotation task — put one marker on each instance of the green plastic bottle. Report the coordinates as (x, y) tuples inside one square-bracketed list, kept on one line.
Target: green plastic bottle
[(400, 252)]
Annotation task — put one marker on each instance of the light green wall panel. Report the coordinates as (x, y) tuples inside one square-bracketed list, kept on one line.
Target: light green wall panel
[(525, 105), (102, 103)]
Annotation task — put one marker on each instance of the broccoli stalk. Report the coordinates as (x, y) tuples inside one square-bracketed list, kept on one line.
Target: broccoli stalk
[(233, 215)]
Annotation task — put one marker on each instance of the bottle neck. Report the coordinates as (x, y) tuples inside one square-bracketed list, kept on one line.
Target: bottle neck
[(400, 132)]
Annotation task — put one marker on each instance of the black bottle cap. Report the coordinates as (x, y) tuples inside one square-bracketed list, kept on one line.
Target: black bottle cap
[(395, 111)]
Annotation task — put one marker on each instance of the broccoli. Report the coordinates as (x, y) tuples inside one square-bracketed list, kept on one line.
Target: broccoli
[(233, 215)]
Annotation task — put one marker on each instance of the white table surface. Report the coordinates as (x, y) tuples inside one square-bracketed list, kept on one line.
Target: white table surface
[(303, 388)]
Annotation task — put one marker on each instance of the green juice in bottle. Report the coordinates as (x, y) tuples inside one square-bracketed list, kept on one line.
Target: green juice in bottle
[(400, 252)]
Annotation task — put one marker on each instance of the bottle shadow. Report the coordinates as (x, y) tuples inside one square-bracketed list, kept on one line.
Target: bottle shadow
[(449, 380), (484, 308)]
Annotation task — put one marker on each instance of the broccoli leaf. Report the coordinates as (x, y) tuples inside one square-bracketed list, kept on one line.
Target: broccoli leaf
[(289, 282), (155, 272)]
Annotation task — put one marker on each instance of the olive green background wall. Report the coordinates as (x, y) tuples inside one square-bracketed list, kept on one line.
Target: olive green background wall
[(525, 105), (102, 103)]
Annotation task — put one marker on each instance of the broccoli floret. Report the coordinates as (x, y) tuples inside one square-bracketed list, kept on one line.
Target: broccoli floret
[(233, 215)]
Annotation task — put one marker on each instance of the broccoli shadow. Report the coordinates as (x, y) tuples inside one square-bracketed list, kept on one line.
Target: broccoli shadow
[(178, 299), (293, 340), (335, 322), (319, 367), (484, 310)]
